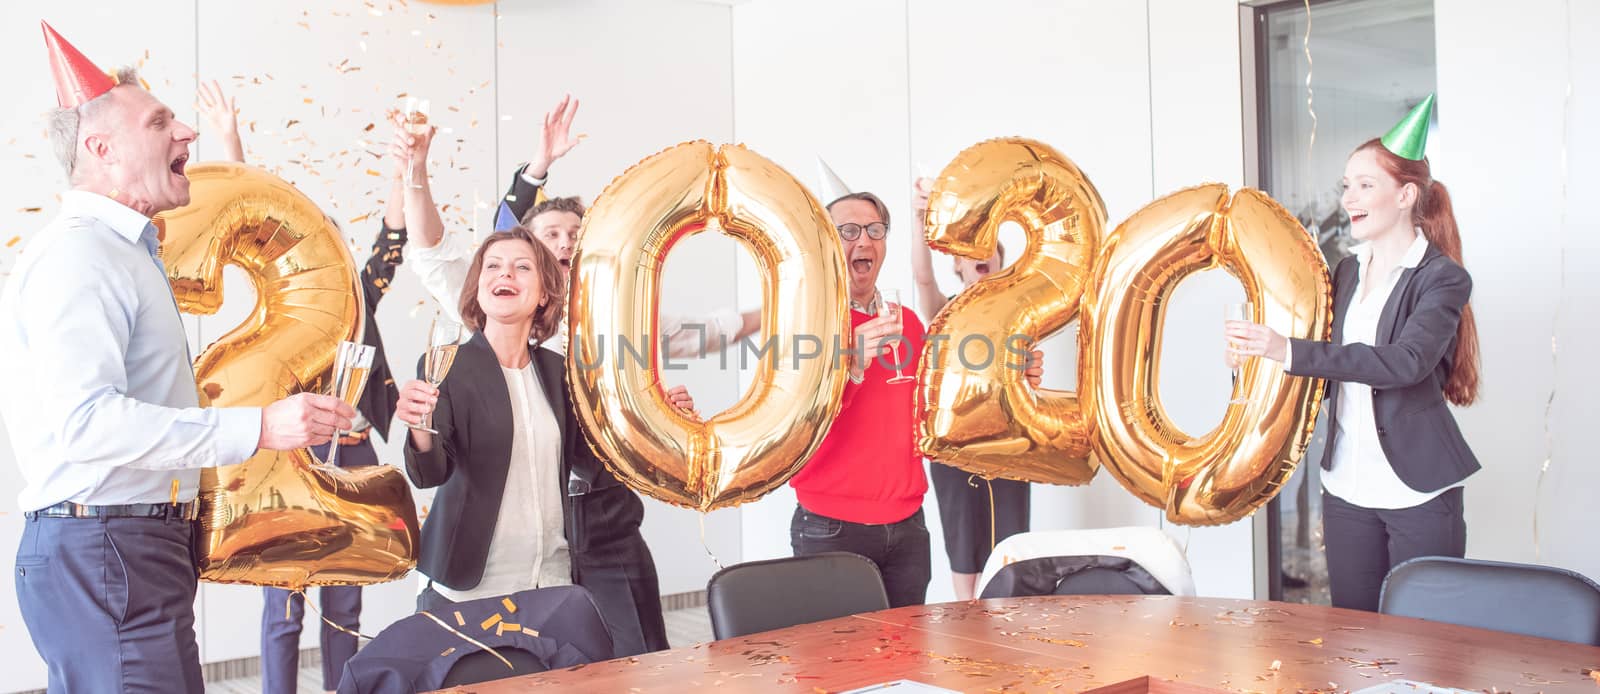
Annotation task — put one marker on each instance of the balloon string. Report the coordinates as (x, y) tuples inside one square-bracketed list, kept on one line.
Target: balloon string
[(1305, 43), (972, 481), (307, 602), (706, 545), (468, 639), (1561, 292)]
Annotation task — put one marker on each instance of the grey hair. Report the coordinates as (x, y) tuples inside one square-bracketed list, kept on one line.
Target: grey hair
[(66, 122), (876, 202)]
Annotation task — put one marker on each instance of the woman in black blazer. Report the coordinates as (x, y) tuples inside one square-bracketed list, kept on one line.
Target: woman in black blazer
[(1404, 345), (499, 459)]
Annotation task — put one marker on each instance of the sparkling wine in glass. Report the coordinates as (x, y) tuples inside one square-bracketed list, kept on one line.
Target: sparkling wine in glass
[(443, 339), (1237, 312), (889, 307), (415, 119), (350, 368)]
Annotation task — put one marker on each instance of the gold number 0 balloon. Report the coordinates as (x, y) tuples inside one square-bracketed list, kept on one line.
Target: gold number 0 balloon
[(761, 441), (280, 519), (1229, 472), (981, 415), (986, 422)]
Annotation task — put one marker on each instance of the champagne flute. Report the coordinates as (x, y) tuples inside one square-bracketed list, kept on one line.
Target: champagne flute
[(351, 366), (1244, 312), (889, 307), (443, 337), (415, 118)]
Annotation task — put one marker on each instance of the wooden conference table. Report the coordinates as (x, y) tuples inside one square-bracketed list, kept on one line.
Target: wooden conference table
[(1077, 643)]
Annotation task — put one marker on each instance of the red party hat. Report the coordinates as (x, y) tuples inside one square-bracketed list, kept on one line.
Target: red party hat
[(78, 81)]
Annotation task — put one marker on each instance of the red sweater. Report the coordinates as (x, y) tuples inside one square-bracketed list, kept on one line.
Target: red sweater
[(868, 469)]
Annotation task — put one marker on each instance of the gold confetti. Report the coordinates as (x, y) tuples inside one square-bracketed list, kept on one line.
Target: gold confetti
[(510, 606), (490, 621), (1315, 642), (30, 210), (459, 621), (362, 218), (532, 632), (14, 240), (508, 626), (370, 172), (447, 651)]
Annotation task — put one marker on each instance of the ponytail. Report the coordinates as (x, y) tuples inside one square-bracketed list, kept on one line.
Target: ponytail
[(1436, 216)]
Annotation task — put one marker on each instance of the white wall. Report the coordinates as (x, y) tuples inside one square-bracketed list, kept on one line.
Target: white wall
[(1529, 236)]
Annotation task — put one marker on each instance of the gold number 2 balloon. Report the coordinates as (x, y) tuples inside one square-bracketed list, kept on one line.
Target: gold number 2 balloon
[(975, 419), (280, 519), (760, 442), (982, 416)]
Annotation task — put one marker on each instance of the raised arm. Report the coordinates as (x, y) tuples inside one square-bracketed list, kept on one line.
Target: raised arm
[(555, 141), (929, 298), (223, 116)]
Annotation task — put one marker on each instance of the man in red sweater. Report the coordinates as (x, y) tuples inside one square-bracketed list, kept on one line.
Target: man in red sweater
[(862, 490)]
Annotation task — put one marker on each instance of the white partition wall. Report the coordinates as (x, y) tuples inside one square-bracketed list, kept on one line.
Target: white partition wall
[(1522, 164)]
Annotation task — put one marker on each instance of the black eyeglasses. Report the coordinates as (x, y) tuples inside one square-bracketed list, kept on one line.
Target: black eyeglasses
[(875, 231)]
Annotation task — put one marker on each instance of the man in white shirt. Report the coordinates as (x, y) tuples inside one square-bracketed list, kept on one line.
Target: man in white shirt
[(101, 402), (441, 260)]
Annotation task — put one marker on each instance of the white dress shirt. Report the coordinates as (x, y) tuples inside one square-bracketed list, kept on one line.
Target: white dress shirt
[(443, 271), (99, 397), (529, 547), (1360, 472)]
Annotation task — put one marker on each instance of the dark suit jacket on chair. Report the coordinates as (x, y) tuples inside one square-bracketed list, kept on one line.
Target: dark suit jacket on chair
[(471, 457), (1406, 367)]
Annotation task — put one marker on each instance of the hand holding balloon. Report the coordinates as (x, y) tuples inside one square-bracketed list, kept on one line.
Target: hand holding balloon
[(1035, 371), (679, 397)]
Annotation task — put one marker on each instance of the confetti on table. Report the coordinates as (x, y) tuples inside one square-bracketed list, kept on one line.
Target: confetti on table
[(14, 240)]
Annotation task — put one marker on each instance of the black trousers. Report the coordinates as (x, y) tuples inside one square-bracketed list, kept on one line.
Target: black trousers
[(1363, 544), (899, 549)]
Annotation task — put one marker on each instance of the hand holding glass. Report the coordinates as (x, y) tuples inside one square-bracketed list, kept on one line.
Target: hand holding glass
[(442, 344), (1237, 312), (350, 368), (889, 307)]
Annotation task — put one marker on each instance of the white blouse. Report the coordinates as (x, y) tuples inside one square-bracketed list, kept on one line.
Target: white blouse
[(529, 547), (1360, 472)]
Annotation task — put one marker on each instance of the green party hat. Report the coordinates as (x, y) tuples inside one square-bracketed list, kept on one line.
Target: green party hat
[(1409, 137)]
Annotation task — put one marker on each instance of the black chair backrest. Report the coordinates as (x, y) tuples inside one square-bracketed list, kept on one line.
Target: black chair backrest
[(1522, 599), (1085, 575), (483, 667), (765, 595)]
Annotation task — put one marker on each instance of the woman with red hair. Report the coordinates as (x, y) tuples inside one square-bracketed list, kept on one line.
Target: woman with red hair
[(1404, 344)]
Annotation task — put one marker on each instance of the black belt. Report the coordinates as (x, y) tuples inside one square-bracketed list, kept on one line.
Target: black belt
[(66, 509)]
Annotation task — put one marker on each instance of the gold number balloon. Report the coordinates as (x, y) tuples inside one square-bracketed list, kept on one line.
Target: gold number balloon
[(1226, 474), (760, 442), (280, 519), (982, 416)]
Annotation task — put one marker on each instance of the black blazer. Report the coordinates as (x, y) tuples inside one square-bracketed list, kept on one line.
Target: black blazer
[(521, 195), (471, 456), (1406, 368), (381, 395)]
